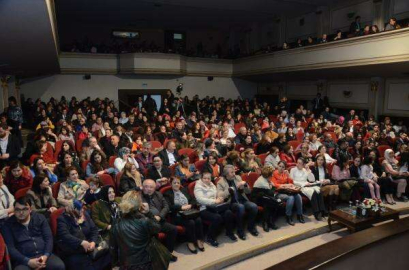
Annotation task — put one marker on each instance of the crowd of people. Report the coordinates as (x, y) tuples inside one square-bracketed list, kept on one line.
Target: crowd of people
[(356, 30), (98, 187)]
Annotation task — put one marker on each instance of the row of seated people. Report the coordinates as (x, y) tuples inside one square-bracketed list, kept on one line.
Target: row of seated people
[(314, 184)]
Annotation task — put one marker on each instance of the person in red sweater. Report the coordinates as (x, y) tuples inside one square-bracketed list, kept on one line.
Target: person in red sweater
[(17, 177), (287, 192), (288, 156)]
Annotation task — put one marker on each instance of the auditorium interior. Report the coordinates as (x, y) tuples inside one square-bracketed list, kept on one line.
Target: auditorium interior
[(212, 118)]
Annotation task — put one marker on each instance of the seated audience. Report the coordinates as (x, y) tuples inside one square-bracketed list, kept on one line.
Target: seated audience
[(145, 157), (17, 177), (288, 193), (7, 202), (251, 163), (159, 173), (66, 162), (92, 194), (390, 165), (72, 189), (303, 177), (98, 165), (273, 158), (371, 179), (124, 156), (263, 194), (41, 196), (39, 167), (29, 239), (342, 175), (235, 190), (169, 155), (181, 202), (105, 210), (288, 156), (211, 166), (186, 172), (131, 179), (159, 207), (77, 238)]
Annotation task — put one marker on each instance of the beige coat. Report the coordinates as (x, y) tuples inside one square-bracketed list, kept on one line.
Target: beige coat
[(66, 195), (223, 188)]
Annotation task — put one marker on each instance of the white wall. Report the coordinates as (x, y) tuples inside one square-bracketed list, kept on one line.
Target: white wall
[(108, 85), (295, 30), (340, 19), (400, 8)]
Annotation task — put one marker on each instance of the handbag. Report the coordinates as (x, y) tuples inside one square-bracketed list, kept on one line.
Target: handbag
[(159, 254), (101, 250), (189, 214), (290, 191), (218, 208)]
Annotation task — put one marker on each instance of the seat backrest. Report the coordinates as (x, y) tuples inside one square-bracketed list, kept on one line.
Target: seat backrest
[(262, 157), (238, 126), (382, 149), (107, 180), (21, 193), (250, 178), (55, 188), (118, 179), (84, 165), (53, 220), (294, 144), (191, 189), (164, 189), (58, 146), (200, 164), (155, 144), (112, 161), (185, 151), (172, 169), (78, 145)]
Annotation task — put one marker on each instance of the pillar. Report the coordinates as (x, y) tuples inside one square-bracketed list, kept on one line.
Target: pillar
[(5, 87), (17, 84), (379, 13)]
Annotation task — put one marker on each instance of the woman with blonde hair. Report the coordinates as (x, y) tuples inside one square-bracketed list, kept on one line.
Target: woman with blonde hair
[(131, 179), (391, 167), (251, 162), (131, 236)]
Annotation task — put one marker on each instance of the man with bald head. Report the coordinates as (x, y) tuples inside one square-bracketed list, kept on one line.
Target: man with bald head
[(159, 207)]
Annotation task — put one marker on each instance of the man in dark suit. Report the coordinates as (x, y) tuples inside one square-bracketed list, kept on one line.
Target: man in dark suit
[(317, 104), (9, 146), (169, 155), (355, 28), (159, 173), (159, 207)]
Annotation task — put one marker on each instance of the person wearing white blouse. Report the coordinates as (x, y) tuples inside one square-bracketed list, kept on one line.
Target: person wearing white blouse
[(371, 179), (304, 178), (124, 156), (6, 202)]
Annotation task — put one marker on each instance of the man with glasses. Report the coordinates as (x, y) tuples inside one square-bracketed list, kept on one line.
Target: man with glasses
[(29, 240), (159, 172)]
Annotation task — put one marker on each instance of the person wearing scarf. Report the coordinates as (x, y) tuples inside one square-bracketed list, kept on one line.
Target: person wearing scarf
[(105, 210), (391, 167)]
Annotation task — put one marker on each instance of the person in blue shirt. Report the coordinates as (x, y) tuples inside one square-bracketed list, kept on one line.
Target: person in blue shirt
[(40, 167), (29, 239)]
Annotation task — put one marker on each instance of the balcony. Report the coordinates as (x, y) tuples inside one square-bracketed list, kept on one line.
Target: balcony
[(375, 52)]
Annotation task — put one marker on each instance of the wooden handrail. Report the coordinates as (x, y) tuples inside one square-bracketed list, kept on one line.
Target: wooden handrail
[(331, 251)]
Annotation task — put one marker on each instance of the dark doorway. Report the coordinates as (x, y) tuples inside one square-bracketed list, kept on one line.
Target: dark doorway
[(128, 97)]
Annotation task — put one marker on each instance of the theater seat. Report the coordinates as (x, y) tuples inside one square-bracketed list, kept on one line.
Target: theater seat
[(382, 149), (185, 151), (112, 161), (53, 220), (55, 188), (262, 157), (200, 164), (21, 193), (191, 189), (250, 178)]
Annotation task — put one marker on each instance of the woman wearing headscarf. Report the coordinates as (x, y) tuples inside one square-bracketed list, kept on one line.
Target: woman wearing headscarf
[(391, 167), (105, 210), (124, 156), (77, 236)]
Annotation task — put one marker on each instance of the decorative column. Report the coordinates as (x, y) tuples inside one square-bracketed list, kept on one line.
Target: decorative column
[(376, 96), (17, 84), (5, 86), (379, 13)]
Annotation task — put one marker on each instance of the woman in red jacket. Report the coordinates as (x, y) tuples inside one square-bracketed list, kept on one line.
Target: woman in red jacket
[(17, 177), (287, 192), (288, 156)]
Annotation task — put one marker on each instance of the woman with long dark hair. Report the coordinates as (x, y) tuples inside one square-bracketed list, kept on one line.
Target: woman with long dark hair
[(41, 196)]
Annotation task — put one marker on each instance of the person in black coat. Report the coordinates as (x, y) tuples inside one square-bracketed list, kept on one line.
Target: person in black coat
[(159, 208), (77, 237), (179, 200), (158, 172), (169, 155), (12, 147)]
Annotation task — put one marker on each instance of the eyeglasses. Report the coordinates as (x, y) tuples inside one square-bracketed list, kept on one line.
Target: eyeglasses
[(18, 210)]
